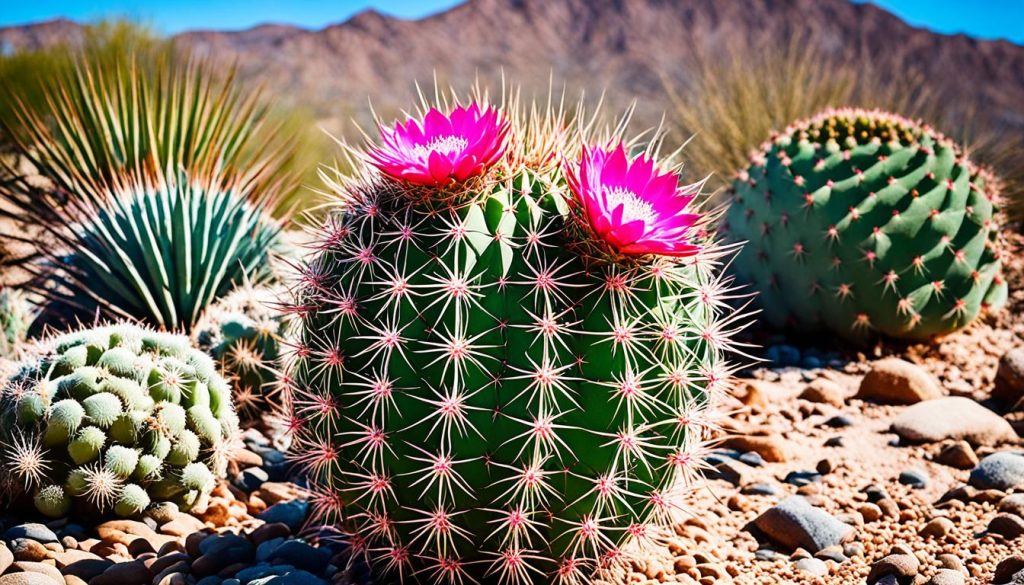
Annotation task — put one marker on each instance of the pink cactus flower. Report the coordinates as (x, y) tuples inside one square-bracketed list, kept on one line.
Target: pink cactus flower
[(441, 149), (633, 207)]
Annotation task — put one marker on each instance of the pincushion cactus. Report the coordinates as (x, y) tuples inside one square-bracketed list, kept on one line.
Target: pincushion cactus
[(865, 222), (113, 418), (244, 333), (507, 366)]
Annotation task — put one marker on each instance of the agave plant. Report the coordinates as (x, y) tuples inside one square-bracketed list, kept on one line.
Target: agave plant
[(152, 194)]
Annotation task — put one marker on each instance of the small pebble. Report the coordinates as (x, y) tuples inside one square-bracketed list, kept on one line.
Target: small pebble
[(915, 478)]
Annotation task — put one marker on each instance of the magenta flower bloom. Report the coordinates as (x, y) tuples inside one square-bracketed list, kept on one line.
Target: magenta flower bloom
[(632, 206), (442, 149)]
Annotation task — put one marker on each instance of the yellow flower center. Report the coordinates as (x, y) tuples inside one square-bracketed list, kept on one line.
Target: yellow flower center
[(633, 207), (445, 145)]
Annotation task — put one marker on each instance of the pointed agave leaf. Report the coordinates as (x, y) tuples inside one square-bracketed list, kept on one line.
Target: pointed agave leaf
[(154, 191)]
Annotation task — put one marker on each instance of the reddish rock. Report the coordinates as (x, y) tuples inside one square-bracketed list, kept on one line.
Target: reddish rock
[(958, 454), (824, 391), (896, 381), (182, 525), (41, 568), (772, 448)]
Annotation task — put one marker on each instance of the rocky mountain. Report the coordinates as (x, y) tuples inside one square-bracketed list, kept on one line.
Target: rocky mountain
[(627, 47)]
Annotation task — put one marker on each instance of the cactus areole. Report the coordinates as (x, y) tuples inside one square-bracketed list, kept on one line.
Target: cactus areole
[(508, 379), (863, 222)]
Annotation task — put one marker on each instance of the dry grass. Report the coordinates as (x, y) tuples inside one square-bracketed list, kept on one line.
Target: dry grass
[(738, 94), (111, 48)]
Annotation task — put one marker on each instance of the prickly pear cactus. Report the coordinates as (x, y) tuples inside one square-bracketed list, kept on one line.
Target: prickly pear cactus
[(865, 222), (243, 332), (112, 419), (507, 368)]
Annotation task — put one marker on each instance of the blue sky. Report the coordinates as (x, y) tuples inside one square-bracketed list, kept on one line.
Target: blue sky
[(981, 18)]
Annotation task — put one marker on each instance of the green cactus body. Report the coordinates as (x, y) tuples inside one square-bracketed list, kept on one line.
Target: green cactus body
[(16, 316), (480, 402), (115, 427), (244, 333), (864, 222)]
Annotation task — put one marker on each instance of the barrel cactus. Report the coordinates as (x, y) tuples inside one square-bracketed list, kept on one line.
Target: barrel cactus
[(507, 366), (867, 223), (112, 419), (244, 333)]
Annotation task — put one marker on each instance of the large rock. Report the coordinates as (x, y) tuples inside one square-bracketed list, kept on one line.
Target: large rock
[(6, 557), (795, 523), (896, 381), (956, 418), (1007, 568), (1008, 526), (133, 573), (773, 448), (80, 563), (900, 565), (1012, 504), (958, 454), (36, 532), (41, 568), (1008, 389), (946, 577), (999, 471), (824, 391)]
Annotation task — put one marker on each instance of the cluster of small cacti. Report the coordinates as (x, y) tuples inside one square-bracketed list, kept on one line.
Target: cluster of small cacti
[(507, 366), (149, 200), (112, 419), (865, 222), (244, 333)]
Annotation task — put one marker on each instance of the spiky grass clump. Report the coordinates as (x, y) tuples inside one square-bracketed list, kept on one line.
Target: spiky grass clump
[(480, 399), (245, 334), (113, 418), (734, 94), (866, 222), (151, 195)]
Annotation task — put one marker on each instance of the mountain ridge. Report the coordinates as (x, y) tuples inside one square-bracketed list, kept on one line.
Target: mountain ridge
[(629, 47)]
